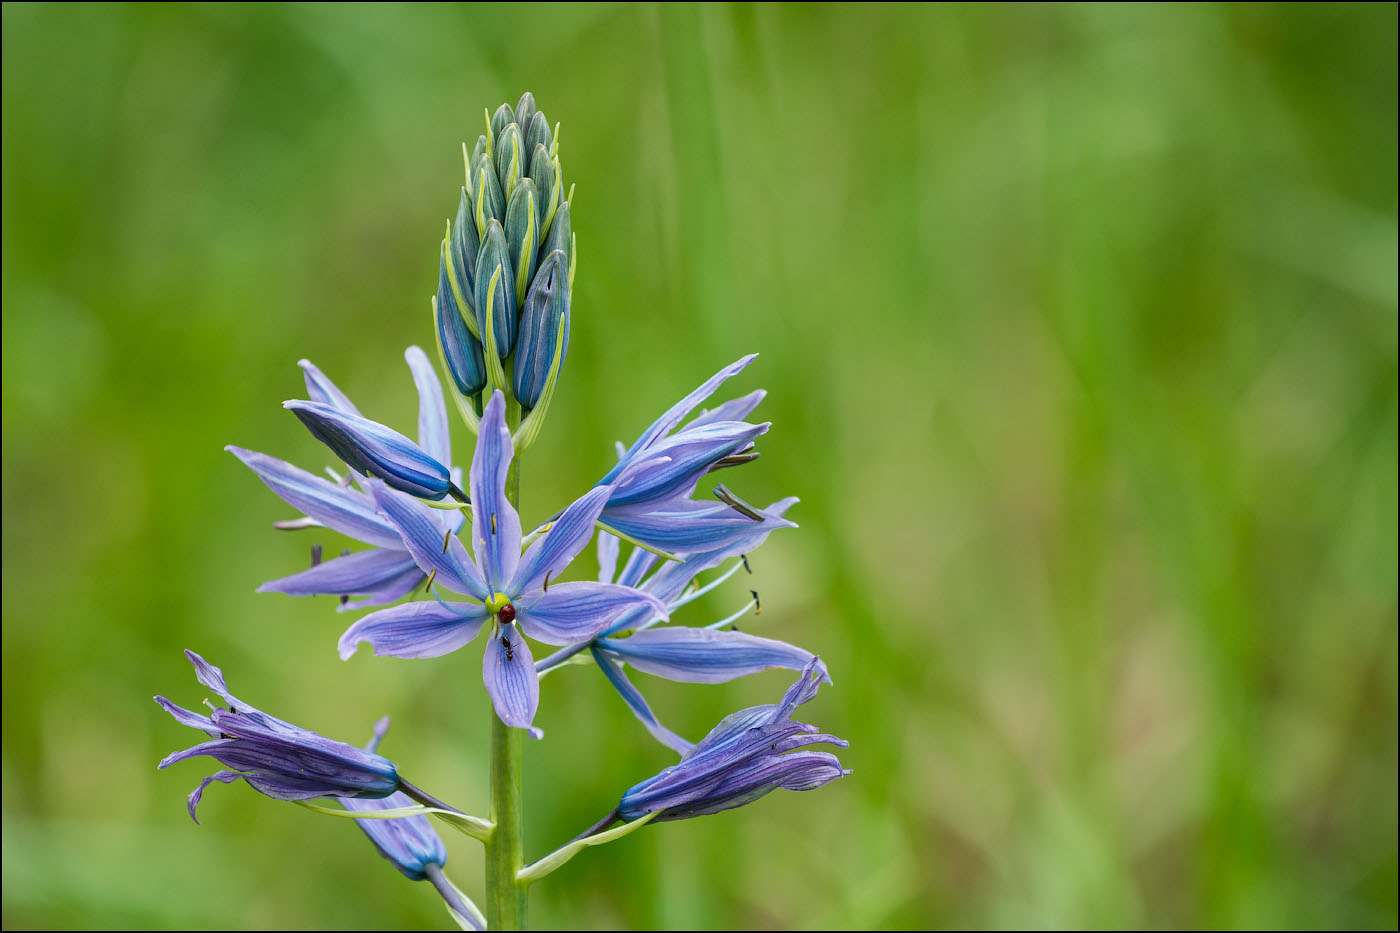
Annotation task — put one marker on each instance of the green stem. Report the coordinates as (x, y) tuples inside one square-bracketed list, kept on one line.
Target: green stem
[(505, 850)]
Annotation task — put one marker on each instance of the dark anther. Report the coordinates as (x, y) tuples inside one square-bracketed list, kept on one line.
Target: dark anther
[(546, 582), (507, 614), (344, 600), (446, 537), (734, 460), (757, 606), (315, 554), (723, 494), (493, 522), (745, 559), (345, 553)]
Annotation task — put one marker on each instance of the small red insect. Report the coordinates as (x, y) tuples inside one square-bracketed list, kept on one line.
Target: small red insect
[(507, 614)]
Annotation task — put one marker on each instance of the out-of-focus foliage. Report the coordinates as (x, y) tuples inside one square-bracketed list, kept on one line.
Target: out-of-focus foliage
[(1079, 326)]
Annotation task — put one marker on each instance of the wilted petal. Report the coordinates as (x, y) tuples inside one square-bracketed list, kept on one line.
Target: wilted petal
[(361, 573), (557, 548), (321, 389), (224, 777), (432, 410), (704, 656), (341, 508), (638, 704), (409, 842), (187, 718), (570, 612), (495, 523), (509, 673), (426, 629), (432, 547)]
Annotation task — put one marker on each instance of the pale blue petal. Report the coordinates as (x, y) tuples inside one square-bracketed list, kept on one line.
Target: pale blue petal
[(704, 656), (323, 390), (509, 673), (556, 549), (733, 410), (608, 546), (359, 574), (495, 523), (638, 704), (432, 548), (432, 410), (426, 629), (570, 612)]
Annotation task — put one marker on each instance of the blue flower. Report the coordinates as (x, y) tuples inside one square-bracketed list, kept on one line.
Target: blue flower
[(507, 589), (680, 653), (386, 572), (371, 449), (655, 477), (748, 754), (283, 761)]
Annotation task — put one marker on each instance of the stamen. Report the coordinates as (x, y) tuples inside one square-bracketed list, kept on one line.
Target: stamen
[(757, 606), (295, 524), (429, 583), (735, 459), (745, 559), (546, 582), (723, 494), (315, 554), (446, 538)]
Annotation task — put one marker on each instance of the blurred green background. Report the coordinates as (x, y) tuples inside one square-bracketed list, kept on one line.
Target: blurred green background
[(1079, 328)]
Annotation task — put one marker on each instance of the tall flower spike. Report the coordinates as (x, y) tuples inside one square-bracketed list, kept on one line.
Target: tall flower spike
[(748, 754), (283, 761)]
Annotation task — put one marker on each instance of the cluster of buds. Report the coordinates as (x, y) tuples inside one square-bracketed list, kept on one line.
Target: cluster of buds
[(506, 267)]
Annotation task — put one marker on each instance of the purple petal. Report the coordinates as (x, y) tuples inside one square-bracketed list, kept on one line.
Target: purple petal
[(673, 466), (361, 573), (432, 410), (733, 410), (640, 561), (416, 630), (678, 411), (686, 527), (346, 510), (638, 704), (369, 447), (570, 612), (323, 390), (568, 535), (608, 546), (803, 689), (704, 656), (509, 674), (495, 523), (188, 718), (213, 678), (390, 592), (224, 777), (424, 538)]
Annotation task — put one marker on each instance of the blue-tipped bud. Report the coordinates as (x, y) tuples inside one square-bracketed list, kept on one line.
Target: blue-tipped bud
[(504, 115), (523, 234), (560, 235), (488, 202), (493, 261), (370, 448), (510, 159), (546, 311), (525, 111), (460, 349), (465, 244), (537, 133), (546, 187)]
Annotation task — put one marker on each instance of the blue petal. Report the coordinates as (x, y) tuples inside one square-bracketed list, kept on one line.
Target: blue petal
[(433, 549), (495, 523), (224, 777), (509, 674), (677, 413), (638, 704), (368, 447), (704, 656), (432, 410), (608, 547), (187, 718), (570, 612), (568, 535), (361, 573), (345, 510), (409, 842), (733, 410), (684, 526), (675, 465), (424, 629), (323, 390)]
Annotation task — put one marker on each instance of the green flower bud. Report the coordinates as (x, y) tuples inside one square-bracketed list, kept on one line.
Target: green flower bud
[(560, 235), (546, 313), (504, 115), (510, 159), (490, 203), (464, 247), (525, 110), (543, 175), (523, 234), (537, 133), (493, 261)]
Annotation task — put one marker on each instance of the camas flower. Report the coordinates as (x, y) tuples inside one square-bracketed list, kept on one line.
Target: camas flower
[(386, 572), (283, 761), (409, 842), (509, 590), (681, 653), (655, 477), (748, 754)]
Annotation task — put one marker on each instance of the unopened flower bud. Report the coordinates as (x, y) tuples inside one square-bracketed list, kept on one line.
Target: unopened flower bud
[(510, 159), (546, 312), (493, 262), (523, 234), (460, 349)]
